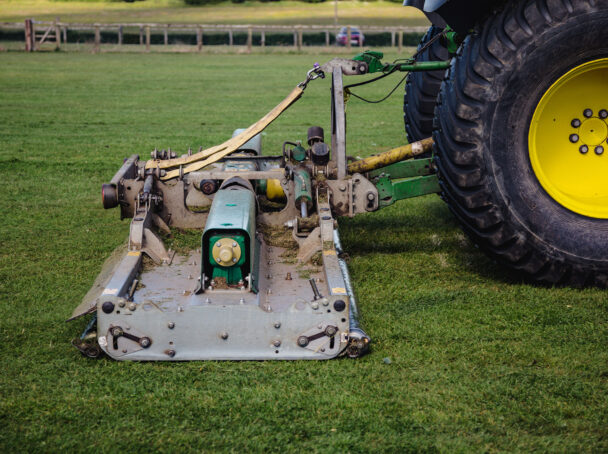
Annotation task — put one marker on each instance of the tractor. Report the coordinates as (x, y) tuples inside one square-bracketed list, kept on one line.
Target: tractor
[(506, 114)]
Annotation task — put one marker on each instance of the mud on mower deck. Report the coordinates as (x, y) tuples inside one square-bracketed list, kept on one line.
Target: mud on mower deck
[(268, 280)]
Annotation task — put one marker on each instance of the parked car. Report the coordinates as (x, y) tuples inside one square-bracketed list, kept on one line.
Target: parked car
[(356, 37)]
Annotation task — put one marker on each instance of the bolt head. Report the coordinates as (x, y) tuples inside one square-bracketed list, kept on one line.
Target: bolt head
[(574, 138), (330, 331), (116, 332), (276, 343), (599, 150), (603, 114), (171, 325), (588, 113), (132, 306), (277, 325), (302, 341), (224, 335), (576, 123), (583, 149), (339, 305), (314, 305), (145, 342), (170, 353)]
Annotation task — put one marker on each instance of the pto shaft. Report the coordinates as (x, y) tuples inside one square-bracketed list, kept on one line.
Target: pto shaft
[(391, 156)]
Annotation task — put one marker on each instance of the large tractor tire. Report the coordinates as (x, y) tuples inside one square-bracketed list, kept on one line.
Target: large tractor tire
[(422, 88), (521, 131)]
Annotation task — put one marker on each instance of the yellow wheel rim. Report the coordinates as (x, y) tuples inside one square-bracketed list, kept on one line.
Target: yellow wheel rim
[(568, 140)]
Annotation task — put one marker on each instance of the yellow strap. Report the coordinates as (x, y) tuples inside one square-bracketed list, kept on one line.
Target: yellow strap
[(210, 155)]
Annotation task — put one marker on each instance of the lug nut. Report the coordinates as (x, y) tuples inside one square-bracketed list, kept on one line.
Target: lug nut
[(583, 149), (599, 150), (603, 114), (574, 138), (576, 123), (588, 113)]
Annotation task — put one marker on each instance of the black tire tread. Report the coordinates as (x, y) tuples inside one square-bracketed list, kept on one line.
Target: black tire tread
[(459, 137), (421, 89)]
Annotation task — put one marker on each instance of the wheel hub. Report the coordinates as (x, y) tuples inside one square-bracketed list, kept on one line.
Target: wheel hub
[(568, 138)]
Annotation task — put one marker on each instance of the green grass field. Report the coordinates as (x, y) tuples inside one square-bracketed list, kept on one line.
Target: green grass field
[(250, 12), (479, 362)]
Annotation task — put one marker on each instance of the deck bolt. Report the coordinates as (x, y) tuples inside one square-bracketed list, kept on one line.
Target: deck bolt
[(576, 123), (574, 138), (599, 150), (603, 114), (583, 149), (171, 325), (107, 307), (224, 335), (588, 113)]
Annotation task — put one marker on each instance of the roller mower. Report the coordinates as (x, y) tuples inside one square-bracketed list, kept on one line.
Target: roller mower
[(506, 112)]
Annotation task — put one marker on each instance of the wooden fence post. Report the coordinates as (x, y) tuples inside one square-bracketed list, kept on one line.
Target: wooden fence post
[(295, 38), (57, 35), (199, 39), (141, 36), (166, 35), (147, 38), (29, 36), (230, 38), (249, 39), (392, 38), (97, 39), (120, 35), (400, 40), (263, 38), (299, 39), (348, 37), (65, 35), (327, 38)]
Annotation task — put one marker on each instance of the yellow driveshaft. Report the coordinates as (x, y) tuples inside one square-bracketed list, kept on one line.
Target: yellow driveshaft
[(391, 156)]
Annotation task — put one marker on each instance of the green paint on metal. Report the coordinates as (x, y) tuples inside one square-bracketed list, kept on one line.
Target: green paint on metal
[(375, 65), (405, 169), (298, 153), (424, 66), (391, 191), (302, 186), (232, 215), (233, 274), (373, 60), (453, 40)]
